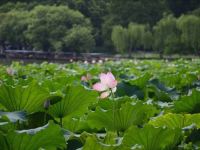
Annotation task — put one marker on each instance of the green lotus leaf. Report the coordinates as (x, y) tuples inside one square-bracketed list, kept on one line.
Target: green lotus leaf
[(151, 138), (75, 102), (48, 136), (81, 124), (76, 124), (176, 120), (126, 89), (6, 126), (161, 92), (108, 103), (122, 118), (141, 81), (159, 95), (28, 98), (108, 141), (93, 143), (37, 119), (189, 103)]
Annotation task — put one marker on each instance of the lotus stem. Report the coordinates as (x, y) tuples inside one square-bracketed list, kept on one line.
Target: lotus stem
[(45, 116), (112, 95), (61, 122)]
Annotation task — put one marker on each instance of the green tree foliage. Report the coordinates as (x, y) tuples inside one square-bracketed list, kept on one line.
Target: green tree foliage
[(12, 29), (170, 35), (196, 12), (95, 10), (179, 7), (120, 38), (131, 38), (84, 25), (148, 40), (79, 39), (177, 35), (190, 31), (46, 28), (127, 11), (166, 35), (51, 24), (19, 6), (136, 34)]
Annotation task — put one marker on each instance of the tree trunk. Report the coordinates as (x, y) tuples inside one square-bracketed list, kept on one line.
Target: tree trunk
[(161, 54)]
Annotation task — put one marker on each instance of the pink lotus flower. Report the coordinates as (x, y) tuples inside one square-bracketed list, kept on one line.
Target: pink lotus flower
[(107, 85), (86, 78)]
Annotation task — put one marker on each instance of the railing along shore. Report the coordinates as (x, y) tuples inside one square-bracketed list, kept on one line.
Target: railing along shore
[(70, 56)]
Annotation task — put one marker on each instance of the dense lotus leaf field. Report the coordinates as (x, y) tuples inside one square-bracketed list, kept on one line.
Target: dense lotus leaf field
[(123, 105)]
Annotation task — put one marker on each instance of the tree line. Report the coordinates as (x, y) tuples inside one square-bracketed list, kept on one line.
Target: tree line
[(169, 35), (121, 26), (47, 28)]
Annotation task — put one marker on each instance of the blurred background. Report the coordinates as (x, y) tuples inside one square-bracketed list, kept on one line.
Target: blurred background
[(101, 26)]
